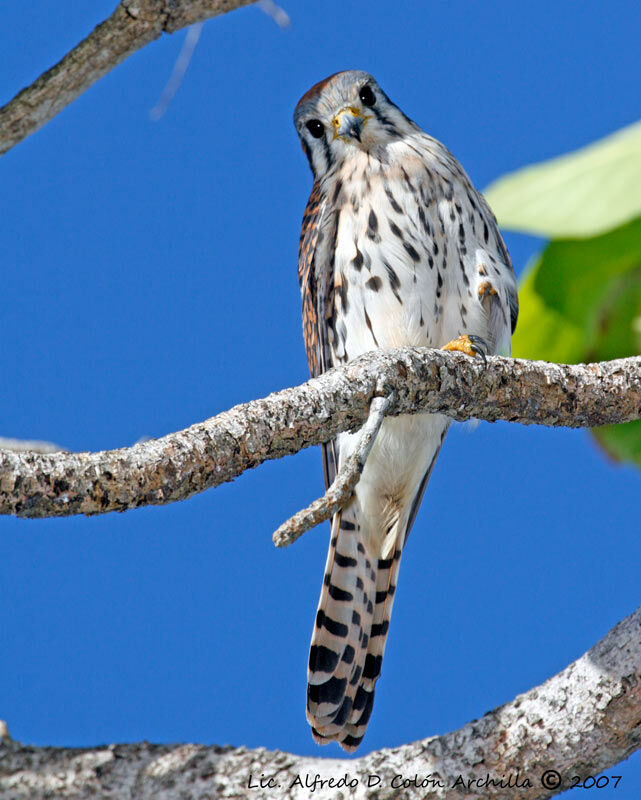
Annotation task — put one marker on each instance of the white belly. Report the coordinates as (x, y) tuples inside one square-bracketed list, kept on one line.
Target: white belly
[(394, 288)]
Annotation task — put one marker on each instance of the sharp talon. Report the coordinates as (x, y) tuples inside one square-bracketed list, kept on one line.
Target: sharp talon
[(469, 344), (479, 346), (482, 356)]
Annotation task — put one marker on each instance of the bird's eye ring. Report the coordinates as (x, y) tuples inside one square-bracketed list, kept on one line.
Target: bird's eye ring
[(315, 127), (368, 98)]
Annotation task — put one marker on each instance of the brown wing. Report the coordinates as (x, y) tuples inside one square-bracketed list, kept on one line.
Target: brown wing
[(309, 284), (317, 290)]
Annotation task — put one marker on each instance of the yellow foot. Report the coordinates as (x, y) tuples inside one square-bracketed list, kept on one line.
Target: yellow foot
[(486, 293), (468, 344)]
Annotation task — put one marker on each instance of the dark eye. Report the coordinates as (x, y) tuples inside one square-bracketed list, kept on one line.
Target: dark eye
[(315, 127), (368, 98)]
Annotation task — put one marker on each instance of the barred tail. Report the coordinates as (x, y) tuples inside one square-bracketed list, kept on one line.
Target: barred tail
[(349, 635)]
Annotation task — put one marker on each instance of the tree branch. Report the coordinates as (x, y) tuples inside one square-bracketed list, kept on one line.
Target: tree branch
[(207, 454), (133, 24), (579, 723)]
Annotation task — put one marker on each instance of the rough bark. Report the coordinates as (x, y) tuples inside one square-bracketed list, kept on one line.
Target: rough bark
[(218, 450), (133, 24), (580, 722)]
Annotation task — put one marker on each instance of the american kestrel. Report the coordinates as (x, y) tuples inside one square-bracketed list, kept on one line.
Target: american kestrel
[(397, 248)]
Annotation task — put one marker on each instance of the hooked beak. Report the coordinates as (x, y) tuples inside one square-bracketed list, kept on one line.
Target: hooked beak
[(349, 124)]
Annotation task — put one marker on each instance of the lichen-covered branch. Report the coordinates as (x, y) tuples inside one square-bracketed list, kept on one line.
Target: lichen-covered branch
[(583, 721), (133, 24), (219, 449)]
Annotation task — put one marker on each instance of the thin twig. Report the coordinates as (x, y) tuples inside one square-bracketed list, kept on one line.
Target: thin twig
[(340, 492), (278, 14), (178, 72)]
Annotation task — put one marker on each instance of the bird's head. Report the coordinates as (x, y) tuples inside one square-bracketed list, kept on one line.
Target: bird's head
[(345, 111)]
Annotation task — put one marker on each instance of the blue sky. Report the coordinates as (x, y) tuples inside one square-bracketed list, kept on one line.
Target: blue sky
[(149, 282)]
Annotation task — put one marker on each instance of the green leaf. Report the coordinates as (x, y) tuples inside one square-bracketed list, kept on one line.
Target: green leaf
[(581, 301), (581, 194), (581, 278), (621, 442), (620, 335), (541, 332)]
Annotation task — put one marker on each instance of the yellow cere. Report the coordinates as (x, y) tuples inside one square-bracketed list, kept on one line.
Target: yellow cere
[(355, 112)]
